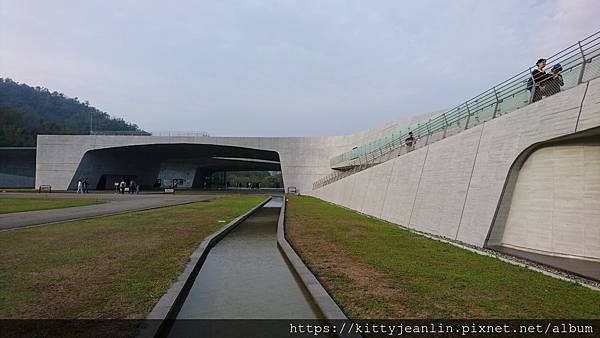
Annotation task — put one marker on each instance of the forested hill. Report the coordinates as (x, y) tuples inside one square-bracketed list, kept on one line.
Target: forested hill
[(27, 111)]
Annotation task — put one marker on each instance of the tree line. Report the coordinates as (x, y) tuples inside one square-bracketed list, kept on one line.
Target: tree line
[(265, 178), (27, 111)]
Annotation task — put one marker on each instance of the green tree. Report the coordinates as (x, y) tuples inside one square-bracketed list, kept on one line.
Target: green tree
[(28, 111)]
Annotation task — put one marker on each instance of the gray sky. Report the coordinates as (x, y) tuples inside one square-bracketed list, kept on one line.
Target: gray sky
[(280, 68)]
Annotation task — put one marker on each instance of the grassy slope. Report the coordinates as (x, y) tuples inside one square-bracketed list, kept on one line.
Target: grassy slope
[(109, 267), (375, 269), (8, 204)]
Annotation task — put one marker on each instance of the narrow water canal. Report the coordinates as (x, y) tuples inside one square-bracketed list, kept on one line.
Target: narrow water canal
[(246, 277)]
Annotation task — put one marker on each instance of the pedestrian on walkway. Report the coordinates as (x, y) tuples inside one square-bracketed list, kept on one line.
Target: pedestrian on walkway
[(554, 82), (132, 186), (410, 140), (540, 78)]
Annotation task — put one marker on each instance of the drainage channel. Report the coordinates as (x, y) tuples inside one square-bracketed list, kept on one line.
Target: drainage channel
[(245, 276)]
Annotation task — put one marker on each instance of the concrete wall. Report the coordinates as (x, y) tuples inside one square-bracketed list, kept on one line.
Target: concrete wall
[(452, 188), (17, 167), (303, 159), (554, 204)]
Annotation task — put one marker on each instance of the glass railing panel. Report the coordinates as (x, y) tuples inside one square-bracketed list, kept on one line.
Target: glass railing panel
[(482, 115), (592, 66), (483, 109), (513, 100), (571, 71)]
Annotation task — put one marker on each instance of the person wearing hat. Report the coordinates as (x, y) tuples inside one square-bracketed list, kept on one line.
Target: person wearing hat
[(554, 82), (540, 77)]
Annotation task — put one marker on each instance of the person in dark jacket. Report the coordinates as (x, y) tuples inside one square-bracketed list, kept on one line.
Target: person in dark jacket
[(410, 140), (554, 82), (540, 77)]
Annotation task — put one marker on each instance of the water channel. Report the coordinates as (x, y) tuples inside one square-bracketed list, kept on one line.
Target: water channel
[(245, 276)]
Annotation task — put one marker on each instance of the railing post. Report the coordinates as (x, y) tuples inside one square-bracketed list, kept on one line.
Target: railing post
[(497, 103), (583, 61), (428, 131), (468, 115), (533, 88), (445, 125)]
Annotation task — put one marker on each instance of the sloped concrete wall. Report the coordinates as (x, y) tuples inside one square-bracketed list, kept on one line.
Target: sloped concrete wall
[(555, 206), (452, 188), (589, 117), (444, 184), (502, 140)]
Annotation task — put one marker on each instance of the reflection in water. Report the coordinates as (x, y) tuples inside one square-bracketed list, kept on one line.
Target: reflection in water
[(245, 276), (275, 202)]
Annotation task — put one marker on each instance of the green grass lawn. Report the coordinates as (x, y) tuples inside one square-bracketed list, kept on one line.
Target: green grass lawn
[(109, 267), (12, 204), (375, 269)]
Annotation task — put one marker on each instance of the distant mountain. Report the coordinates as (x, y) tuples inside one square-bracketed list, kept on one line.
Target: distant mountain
[(27, 111)]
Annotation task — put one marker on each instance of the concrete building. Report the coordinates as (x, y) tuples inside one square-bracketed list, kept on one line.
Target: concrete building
[(540, 163), (512, 175)]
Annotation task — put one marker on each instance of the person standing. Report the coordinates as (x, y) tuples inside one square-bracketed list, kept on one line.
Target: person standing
[(554, 82), (409, 141), (540, 78), (131, 187), (79, 186)]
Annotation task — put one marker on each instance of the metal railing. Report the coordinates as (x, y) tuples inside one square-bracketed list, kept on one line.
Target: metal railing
[(580, 63), (152, 133)]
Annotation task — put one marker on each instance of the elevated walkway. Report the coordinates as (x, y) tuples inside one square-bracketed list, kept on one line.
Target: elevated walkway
[(580, 63)]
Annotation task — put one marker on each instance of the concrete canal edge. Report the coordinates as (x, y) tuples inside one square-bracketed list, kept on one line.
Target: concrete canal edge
[(160, 319), (329, 308)]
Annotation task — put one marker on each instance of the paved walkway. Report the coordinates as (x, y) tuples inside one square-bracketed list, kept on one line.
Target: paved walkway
[(115, 203), (587, 269)]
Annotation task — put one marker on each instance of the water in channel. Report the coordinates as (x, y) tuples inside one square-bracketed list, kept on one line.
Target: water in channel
[(246, 277)]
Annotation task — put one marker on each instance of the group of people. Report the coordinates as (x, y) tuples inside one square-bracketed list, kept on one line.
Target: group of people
[(249, 185), (545, 84), (252, 185), (82, 186), (122, 187)]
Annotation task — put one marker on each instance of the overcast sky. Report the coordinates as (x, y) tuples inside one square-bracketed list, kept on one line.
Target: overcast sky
[(280, 68)]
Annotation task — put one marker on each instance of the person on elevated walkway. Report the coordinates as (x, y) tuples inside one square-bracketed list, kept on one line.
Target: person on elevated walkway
[(540, 78), (410, 140), (554, 82)]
